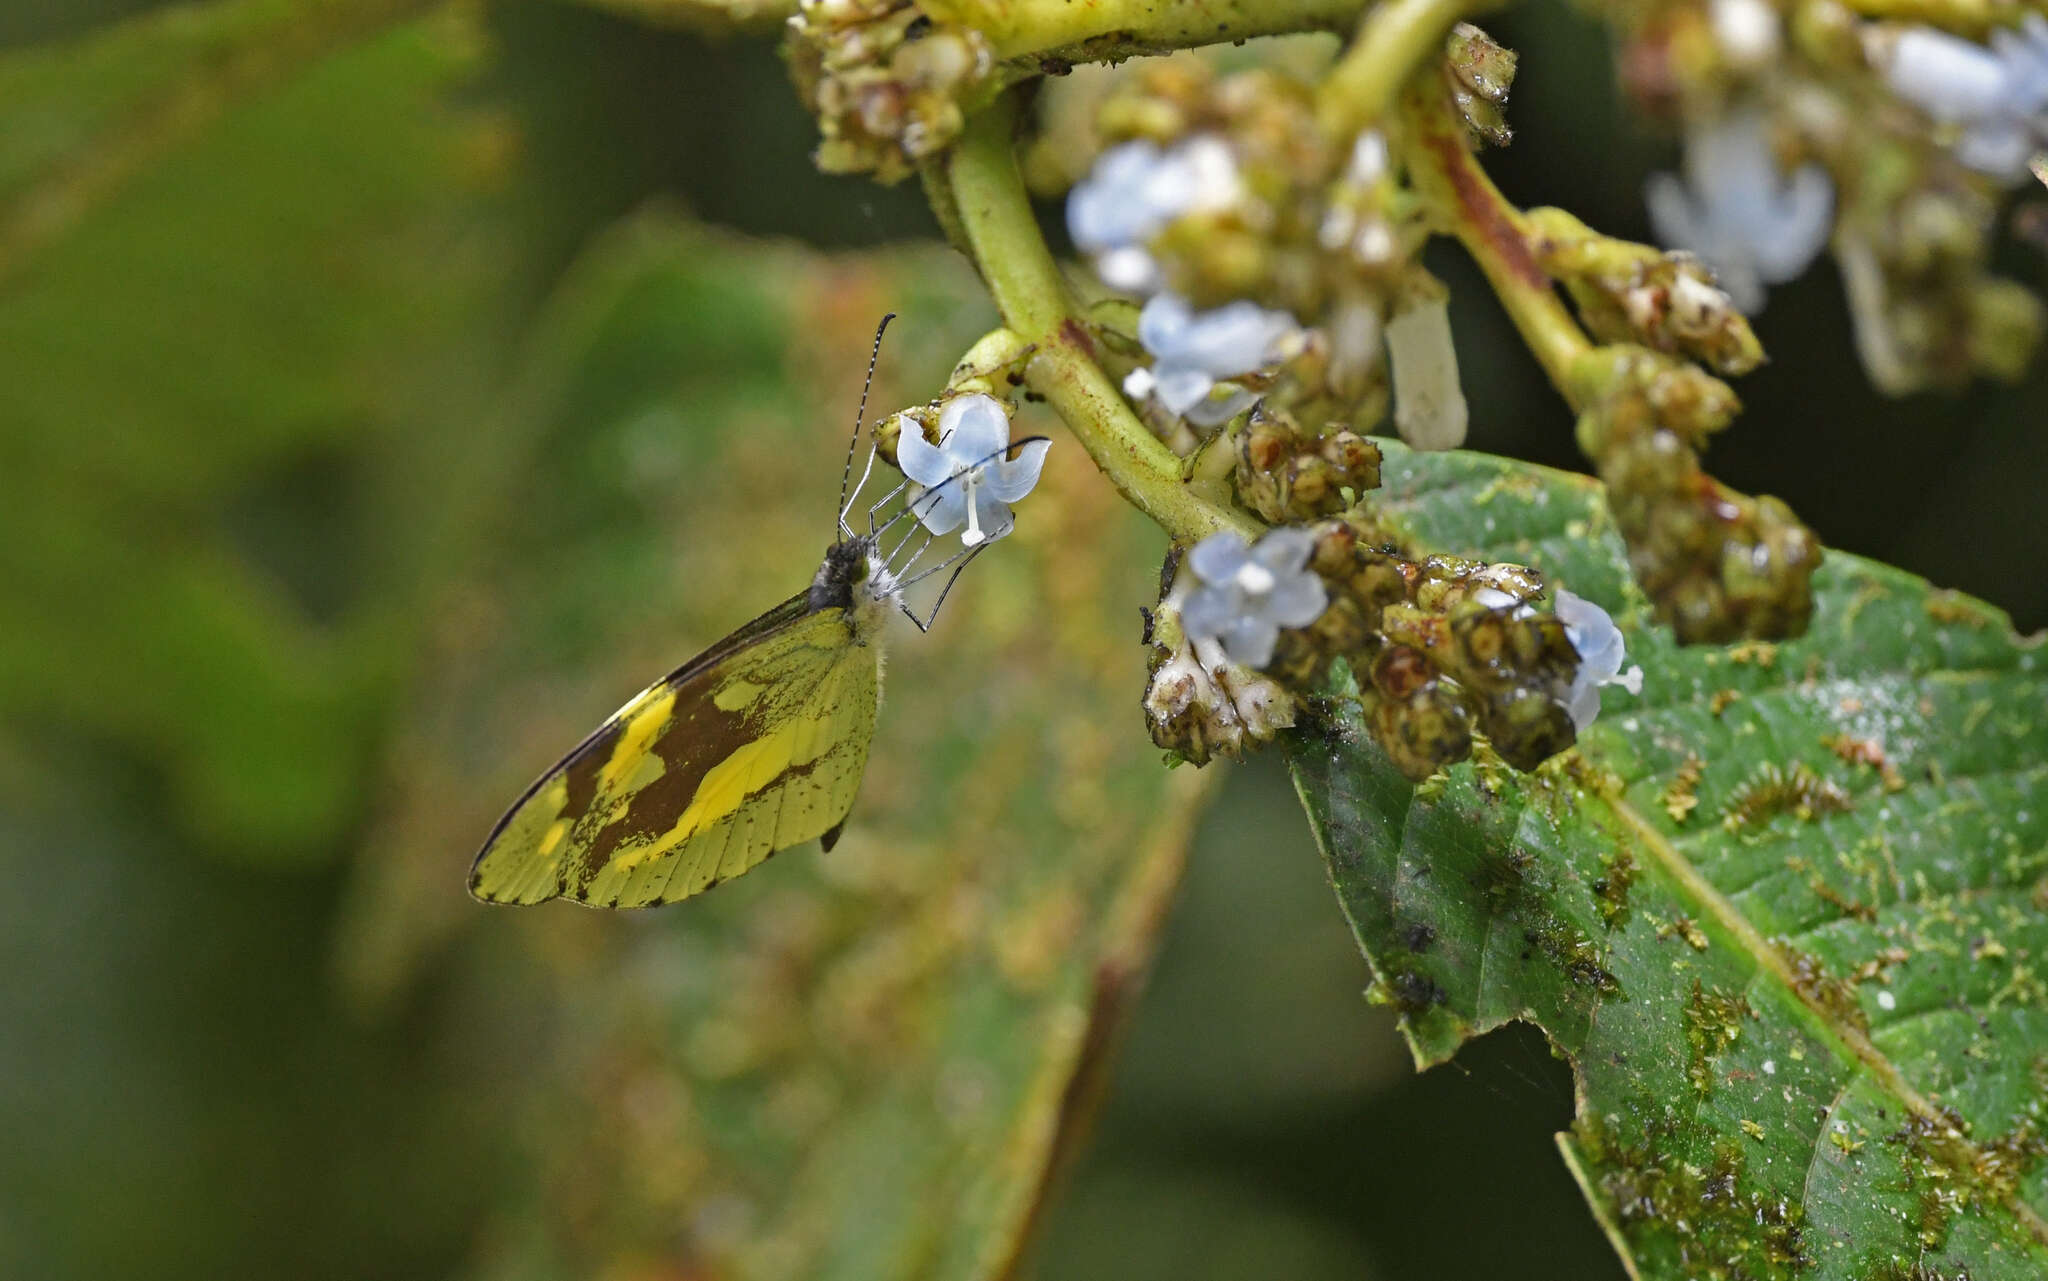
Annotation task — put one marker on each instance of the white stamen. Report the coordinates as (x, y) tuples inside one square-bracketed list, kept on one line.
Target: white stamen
[(973, 533), (1255, 579)]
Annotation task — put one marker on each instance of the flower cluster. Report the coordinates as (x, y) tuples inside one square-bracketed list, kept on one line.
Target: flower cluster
[(1258, 237), (1443, 649), (1887, 142), (1593, 636), (1225, 204), (1193, 352), (1136, 190), (1218, 622), (886, 84), (1247, 593), (1716, 565), (1287, 474), (1631, 293)]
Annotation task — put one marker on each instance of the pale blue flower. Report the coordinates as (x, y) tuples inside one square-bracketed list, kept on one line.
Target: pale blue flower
[(1195, 350), (1134, 190), (1593, 636), (969, 477), (1997, 97), (1246, 594), (1601, 650), (1752, 224)]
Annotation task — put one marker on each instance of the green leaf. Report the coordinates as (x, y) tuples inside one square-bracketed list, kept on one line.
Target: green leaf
[(857, 1064), (86, 117), (234, 382), (1808, 1012)]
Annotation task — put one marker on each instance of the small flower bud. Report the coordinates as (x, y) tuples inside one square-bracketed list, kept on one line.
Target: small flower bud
[(1288, 475), (1716, 565), (883, 81), (1481, 72)]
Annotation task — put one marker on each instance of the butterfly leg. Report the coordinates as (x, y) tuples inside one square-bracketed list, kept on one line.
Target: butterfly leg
[(958, 563)]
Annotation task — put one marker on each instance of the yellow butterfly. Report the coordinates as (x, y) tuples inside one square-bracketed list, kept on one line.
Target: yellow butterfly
[(751, 747)]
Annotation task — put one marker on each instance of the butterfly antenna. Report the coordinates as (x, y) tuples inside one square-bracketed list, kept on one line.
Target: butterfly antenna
[(859, 419)]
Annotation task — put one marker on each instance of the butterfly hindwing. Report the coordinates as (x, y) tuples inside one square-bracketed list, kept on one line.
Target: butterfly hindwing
[(754, 746)]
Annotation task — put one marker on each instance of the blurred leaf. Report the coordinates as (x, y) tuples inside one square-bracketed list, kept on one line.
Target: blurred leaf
[(1807, 1042), (859, 1064), (228, 394), (86, 116), (713, 16), (181, 1097)]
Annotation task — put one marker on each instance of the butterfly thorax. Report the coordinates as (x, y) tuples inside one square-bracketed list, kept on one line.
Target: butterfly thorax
[(853, 578)]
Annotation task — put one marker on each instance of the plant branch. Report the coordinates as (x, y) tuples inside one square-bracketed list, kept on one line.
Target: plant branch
[(1441, 165), (1111, 29), (1011, 254), (1394, 39)]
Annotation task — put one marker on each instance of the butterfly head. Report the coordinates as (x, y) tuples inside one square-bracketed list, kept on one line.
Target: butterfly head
[(853, 577)]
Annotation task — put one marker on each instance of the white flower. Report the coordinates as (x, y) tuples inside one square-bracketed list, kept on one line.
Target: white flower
[(968, 476), (1134, 191), (1429, 405), (1753, 225), (1601, 652), (1247, 594), (1192, 350), (1997, 97)]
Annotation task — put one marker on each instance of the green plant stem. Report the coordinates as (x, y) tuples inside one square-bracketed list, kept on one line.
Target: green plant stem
[(1394, 39), (1441, 165), (1011, 254), (1073, 31)]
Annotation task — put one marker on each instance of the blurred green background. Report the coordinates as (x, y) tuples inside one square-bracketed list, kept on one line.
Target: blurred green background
[(366, 439)]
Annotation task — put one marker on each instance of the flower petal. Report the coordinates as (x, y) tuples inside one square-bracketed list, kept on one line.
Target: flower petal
[(1803, 219), (1106, 209), (1217, 558), (918, 458), (1249, 640), (1297, 600), (940, 510), (971, 428), (1209, 610), (992, 517), (1593, 634), (1284, 550), (1224, 402), (1583, 704), (1009, 479), (1163, 322), (1180, 388), (1236, 338)]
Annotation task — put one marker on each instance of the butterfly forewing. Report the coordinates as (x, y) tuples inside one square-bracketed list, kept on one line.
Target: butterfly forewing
[(750, 748)]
